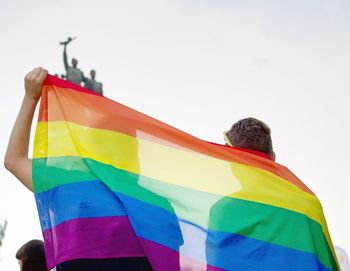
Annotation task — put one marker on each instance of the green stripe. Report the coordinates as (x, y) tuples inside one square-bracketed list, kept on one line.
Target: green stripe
[(247, 218)]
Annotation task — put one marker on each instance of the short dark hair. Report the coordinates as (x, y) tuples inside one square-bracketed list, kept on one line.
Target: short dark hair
[(253, 134), (32, 256)]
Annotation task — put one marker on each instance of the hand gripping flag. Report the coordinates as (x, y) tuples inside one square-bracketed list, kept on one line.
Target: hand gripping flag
[(112, 182)]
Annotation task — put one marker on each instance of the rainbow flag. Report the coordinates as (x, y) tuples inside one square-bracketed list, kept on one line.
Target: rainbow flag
[(112, 182)]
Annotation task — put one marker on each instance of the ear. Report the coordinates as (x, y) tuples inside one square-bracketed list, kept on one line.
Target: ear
[(273, 156)]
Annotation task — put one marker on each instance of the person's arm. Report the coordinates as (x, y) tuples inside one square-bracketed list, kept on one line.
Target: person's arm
[(16, 158), (65, 58)]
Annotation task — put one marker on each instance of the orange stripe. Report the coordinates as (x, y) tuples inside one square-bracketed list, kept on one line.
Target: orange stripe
[(109, 115)]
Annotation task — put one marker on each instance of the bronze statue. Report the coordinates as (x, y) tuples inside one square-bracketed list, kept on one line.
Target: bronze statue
[(92, 84), (73, 74)]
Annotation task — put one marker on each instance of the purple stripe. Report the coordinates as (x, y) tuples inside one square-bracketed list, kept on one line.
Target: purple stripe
[(98, 238), (164, 258), (91, 238)]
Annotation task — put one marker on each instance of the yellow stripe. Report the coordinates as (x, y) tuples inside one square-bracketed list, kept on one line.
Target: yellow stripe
[(175, 166), (228, 142)]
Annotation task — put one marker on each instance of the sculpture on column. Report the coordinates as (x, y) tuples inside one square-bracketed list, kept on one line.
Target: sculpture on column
[(73, 74), (92, 84)]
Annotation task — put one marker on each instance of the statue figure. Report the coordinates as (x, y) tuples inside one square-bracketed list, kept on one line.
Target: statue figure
[(73, 74), (2, 232), (92, 84)]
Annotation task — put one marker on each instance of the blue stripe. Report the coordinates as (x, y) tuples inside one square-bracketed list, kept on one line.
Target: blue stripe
[(224, 250), (227, 251), (77, 200)]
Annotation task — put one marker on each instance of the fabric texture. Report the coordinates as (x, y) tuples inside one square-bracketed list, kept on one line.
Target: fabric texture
[(111, 182)]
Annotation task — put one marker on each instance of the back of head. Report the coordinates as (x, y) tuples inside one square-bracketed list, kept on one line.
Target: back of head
[(32, 256), (253, 134)]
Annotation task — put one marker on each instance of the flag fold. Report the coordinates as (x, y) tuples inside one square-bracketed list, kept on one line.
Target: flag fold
[(112, 182)]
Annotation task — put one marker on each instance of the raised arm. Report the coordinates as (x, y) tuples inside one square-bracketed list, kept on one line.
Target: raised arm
[(65, 58), (16, 158)]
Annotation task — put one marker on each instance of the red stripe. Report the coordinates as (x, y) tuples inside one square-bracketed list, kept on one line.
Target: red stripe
[(258, 153), (53, 80), (109, 115)]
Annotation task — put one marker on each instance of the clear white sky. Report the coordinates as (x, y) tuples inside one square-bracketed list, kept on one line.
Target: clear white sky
[(199, 66)]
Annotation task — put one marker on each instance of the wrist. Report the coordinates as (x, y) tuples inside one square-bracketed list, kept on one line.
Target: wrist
[(31, 98)]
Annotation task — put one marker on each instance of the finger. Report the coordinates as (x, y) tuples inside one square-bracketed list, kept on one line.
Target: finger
[(42, 75), (33, 74), (36, 74), (37, 71), (30, 74)]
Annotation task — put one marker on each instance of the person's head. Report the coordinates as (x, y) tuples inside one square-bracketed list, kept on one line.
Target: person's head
[(253, 134), (31, 256), (93, 74), (74, 62)]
